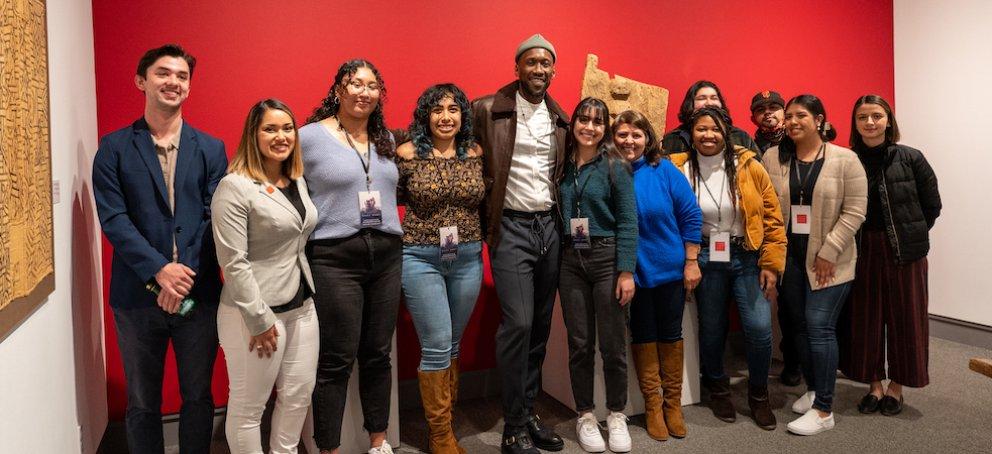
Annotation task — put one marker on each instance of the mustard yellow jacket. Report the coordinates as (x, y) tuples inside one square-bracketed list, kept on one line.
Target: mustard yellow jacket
[(759, 204)]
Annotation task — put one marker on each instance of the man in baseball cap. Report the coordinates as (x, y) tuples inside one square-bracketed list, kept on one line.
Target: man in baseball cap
[(768, 114)]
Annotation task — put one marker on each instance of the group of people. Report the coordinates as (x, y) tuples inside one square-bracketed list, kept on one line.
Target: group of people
[(624, 225)]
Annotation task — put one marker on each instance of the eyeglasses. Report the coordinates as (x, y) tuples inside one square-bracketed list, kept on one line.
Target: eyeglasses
[(357, 87)]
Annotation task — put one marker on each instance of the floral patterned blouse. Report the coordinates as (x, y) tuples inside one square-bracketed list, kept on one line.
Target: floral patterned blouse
[(440, 192)]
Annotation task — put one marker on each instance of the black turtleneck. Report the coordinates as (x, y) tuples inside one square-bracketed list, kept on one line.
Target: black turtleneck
[(873, 159)]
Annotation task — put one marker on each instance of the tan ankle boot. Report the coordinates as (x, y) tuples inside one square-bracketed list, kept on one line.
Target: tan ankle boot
[(454, 381), (646, 363), (435, 392), (671, 381)]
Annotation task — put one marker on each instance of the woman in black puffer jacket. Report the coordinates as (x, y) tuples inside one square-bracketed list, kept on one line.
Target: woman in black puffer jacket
[(888, 306)]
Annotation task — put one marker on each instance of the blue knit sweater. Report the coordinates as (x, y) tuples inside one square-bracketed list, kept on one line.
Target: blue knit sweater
[(667, 218)]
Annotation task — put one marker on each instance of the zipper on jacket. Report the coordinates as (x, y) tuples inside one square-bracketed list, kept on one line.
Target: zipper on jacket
[(890, 226)]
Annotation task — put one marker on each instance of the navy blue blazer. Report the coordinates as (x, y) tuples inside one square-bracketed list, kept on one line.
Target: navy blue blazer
[(133, 204)]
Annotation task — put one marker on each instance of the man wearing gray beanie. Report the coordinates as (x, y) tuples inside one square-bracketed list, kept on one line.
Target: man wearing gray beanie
[(522, 132)]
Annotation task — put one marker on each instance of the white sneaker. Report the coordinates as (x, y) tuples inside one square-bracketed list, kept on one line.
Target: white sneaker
[(384, 448), (619, 436), (804, 403), (811, 423), (587, 429)]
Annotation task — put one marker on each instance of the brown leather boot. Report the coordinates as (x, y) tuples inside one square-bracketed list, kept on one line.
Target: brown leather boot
[(761, 411), (454, 381), (720, 402), (671, 356), (435, 392), (646, 363)]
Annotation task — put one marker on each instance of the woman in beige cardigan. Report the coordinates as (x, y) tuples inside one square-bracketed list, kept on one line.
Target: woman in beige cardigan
[(823, 193)]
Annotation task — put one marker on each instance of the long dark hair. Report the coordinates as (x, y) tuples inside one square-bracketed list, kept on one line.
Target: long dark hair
[(787, 148), (652, 146), (605, 145), (891, 127), (420, 128), (685, 110), (330, 105), (719, 117)]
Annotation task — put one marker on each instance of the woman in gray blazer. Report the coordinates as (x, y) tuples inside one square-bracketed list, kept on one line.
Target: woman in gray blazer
[(262, 217)]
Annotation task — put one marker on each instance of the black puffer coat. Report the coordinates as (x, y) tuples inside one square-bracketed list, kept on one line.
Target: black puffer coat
[(910, 200)]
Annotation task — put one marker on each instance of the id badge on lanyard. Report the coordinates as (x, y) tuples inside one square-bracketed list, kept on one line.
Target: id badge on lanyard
[(719, 246), (579, 228), (448, 241), (801, 218), (370, 208)]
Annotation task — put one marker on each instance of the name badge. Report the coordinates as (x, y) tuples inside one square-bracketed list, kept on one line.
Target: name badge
[(802, 217), (370, 208), (448, 242), (719, 246), (580, 233)]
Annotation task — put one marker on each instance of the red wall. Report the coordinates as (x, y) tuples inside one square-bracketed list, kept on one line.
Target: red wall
[(290, 50)]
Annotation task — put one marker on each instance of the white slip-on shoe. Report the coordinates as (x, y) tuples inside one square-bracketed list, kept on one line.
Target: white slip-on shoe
[(616, 423), (804, 403), (384, 448), (587, 429), (811, 423)]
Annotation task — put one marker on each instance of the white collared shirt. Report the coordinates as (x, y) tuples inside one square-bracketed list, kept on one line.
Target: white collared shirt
[(528, 186)]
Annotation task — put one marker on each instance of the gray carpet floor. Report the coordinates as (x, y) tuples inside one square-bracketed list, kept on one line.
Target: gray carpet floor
[(951, 415)]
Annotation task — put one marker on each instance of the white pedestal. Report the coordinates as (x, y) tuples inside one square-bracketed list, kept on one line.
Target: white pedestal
[(556, 381), (354, 438)]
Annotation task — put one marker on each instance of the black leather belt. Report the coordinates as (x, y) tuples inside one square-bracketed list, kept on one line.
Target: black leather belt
[(734, 241)]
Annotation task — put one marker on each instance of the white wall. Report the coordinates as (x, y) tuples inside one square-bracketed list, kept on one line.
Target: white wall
[(943, 72), (52, 375)]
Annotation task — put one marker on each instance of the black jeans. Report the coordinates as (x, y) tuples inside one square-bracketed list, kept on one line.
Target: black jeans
[(143, 336), (525, 266), (656, 313), (589, 305), (357, 297)]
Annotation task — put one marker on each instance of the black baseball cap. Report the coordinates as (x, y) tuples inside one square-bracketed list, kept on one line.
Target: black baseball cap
[(766, 97)]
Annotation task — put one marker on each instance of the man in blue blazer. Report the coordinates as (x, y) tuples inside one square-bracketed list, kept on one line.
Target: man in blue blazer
[(153, 181)]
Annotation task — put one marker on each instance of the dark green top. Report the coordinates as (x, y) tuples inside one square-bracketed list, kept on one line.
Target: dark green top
[(607, 200)]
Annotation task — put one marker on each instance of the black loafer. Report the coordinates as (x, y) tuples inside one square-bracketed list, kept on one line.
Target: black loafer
[(868, 404), (889, 406), (791, 376), (544, 437), (518, 443)]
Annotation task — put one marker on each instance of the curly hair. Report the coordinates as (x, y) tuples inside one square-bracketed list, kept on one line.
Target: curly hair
[(420, 126), (330, 105), (719, 117)]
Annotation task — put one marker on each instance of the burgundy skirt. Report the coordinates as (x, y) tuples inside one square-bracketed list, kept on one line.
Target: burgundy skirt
[(888, 317)]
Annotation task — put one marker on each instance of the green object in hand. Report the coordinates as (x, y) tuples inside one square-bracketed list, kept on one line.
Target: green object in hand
[(184, 307)]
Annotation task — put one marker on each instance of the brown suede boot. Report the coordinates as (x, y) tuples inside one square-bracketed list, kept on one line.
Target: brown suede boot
[(761, 411), (454, 381), (646, 363), (435, 392), (720, 402), (671, 356)]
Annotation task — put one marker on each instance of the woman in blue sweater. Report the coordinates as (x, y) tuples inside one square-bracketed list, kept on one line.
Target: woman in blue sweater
[(668, 222), (597, 281)]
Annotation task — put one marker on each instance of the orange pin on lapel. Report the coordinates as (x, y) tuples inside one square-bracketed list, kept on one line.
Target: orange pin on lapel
[(269, 189)]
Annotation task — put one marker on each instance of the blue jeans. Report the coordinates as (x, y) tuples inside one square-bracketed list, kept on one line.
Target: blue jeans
[(440, 296), (143, 336), (740, 276), (814, 314)]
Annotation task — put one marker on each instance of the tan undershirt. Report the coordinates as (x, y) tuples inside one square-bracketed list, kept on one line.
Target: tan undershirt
[(167, 153)]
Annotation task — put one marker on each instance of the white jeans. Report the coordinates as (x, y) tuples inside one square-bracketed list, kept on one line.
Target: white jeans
[(292, 369)]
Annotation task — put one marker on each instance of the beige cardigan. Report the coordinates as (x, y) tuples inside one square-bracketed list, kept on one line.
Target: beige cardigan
[(840, 200)]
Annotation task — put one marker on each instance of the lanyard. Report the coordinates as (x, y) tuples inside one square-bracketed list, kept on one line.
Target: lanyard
[(804, 179), (716, 201), (366, 161), (578, 191)]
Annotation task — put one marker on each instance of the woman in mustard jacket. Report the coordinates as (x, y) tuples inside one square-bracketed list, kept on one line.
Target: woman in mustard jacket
[(742, 254)]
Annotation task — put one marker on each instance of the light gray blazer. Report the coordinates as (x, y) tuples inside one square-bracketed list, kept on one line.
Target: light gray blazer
[(260, 241)]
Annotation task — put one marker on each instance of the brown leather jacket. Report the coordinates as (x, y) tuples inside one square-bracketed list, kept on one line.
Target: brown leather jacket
[(494, 123)]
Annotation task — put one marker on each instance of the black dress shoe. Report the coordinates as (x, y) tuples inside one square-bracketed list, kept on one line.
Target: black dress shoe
[(889, 406), (518, 442), (868, 404), (544, 437), (791, 376)]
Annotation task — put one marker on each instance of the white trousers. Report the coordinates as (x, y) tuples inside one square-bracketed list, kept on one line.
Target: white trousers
[(292, 370)]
